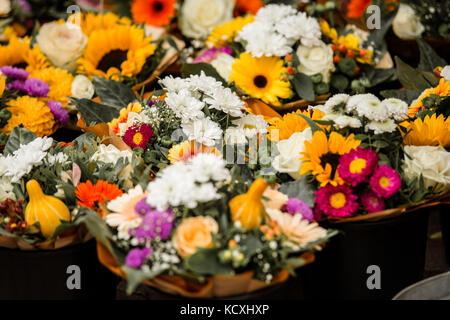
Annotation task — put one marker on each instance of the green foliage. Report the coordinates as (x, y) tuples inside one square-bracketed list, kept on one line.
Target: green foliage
[(304, 86), (301, 189), (206, 262), (94, 113), (19, 136), (113, 93), (409, 77)]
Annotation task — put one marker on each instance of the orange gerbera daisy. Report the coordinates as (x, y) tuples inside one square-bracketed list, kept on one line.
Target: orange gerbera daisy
[(188, 149), (442, 89), (356, 8), (90, 195), (153, 12), (247, 6)]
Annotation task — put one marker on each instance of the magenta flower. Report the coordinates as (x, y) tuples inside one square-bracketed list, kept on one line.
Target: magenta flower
[(59, 113), (385, 181), (155, 225), (136, 257), (372, 202), (336, 201), (36, 87), (15, 73), (142, 207), (355, 166), (138, 136), (16, 85), (210, 54), (297, 206)]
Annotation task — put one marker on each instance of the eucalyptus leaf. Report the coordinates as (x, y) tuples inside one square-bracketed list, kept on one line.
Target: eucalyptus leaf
[(206, 262), (300, 189), (97, 227), (311, 123), (429, 59), (19, 136), (409, 77), (113, 93), (135, 277), (406, 95), (304, 86), (94, 113)]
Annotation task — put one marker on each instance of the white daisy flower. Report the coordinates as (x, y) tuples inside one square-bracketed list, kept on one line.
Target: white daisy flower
[(204, 131), (344, 121), (225, 100), (184, 105), (334, 101), (251, 125), (396, 108), (379, 127), (368, 106)]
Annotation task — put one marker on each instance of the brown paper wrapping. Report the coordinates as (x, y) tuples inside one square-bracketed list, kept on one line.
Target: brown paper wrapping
[(293, 106), (214, 287)]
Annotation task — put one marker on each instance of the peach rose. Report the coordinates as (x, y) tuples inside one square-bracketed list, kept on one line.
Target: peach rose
[(193, 233), (274, 199)]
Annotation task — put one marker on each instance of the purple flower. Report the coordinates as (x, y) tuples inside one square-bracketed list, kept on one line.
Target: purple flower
[(16, 85), (61, 115), (25, 6), (385, 181), (142, 207), (36, 87), (15, 73), (156, 224), (136, 257), (210, 54), (297, 206)]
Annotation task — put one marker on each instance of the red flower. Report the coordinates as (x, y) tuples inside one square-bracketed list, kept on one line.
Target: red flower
[(138, 136)]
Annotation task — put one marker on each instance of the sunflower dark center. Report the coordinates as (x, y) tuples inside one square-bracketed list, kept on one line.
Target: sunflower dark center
[(260, 81), (158, 6), (21, 65), (332, 159), (112, 59)]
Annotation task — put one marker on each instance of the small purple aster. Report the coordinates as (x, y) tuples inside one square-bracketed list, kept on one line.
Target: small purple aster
[(36, 87), (142, 207), (59, 113), (155, 225), (15, 73), (297, 206), (16, 85), (136, 257)]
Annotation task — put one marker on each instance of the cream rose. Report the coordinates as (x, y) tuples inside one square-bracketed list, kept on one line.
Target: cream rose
[(223, 63), (193, 233), (63, 43), (5, 7), (407, 24), (288, 161), (318, 59), (82, 88), (198, 17), (110, 154), (433, 163)]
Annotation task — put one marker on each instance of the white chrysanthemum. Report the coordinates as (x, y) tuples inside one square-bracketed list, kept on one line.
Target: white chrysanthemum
[(225, 100), (22, 161), (203, 83), (369, 106), (300, 26), (379, 127), (6, 189), (396, 108), (204, 131), (111, 154), (123, 216), (334, 101), (251, 125), (173, 84), (354, 101), (273, 13), (209, 167), (184, 105), (235, 136), (60, 157), (344, 121)]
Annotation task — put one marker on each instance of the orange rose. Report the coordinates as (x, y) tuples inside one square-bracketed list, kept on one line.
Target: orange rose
[(194, 233)]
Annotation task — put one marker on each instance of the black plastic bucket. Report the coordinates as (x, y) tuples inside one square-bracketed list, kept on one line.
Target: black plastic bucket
[(369, 260), (445, 227), (47, 274)]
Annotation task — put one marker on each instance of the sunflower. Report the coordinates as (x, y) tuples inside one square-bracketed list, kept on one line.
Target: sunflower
[(18, 53), (90, 22), (153, 12), (33, 114), (321, 156), (442, 89), (187, 149), (59, 81), (120, 50), (90, 195), (222, 35), (291, 123), (261, 78), (431, 131)]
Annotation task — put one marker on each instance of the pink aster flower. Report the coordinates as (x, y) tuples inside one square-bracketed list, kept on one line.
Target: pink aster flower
[(336, 201), (138, 136), (372, 202), (296, 206), (210, 54), (385, 181), (357, 165), (137, 256)]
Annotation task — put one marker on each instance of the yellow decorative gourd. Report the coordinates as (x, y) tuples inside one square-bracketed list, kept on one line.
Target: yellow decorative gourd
[(47, 210), (248, 208)]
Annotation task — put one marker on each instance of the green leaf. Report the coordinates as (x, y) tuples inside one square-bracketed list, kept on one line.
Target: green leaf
[(296, 262), (135, 277), (429, 59), (94, 113), (406, 95), (206, 262), (304, 86), (196, 68), (409, 77), (19, 136), (377, 76), (311, 123), (299, 189), (250, 246), (97, 227), (172, 43), (380, 144), (113, 93)]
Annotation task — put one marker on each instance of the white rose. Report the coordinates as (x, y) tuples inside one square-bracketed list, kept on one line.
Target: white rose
[(445, 73), (198, 17), (110, 154), (433, 163), (318, 59), (223, 63), (288, 161), (406, 24), (63, 43), (82, 88), (5, 7)]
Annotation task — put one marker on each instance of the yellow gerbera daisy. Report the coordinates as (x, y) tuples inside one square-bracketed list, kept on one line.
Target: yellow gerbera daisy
[(135, 107), (261, 78), (442, 89), (432, 131), (120, 50), (321, 156), (18, 53), (33, 114), (221, 35), (187, 149), (90, 22), (59, 81), (291, 123)]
